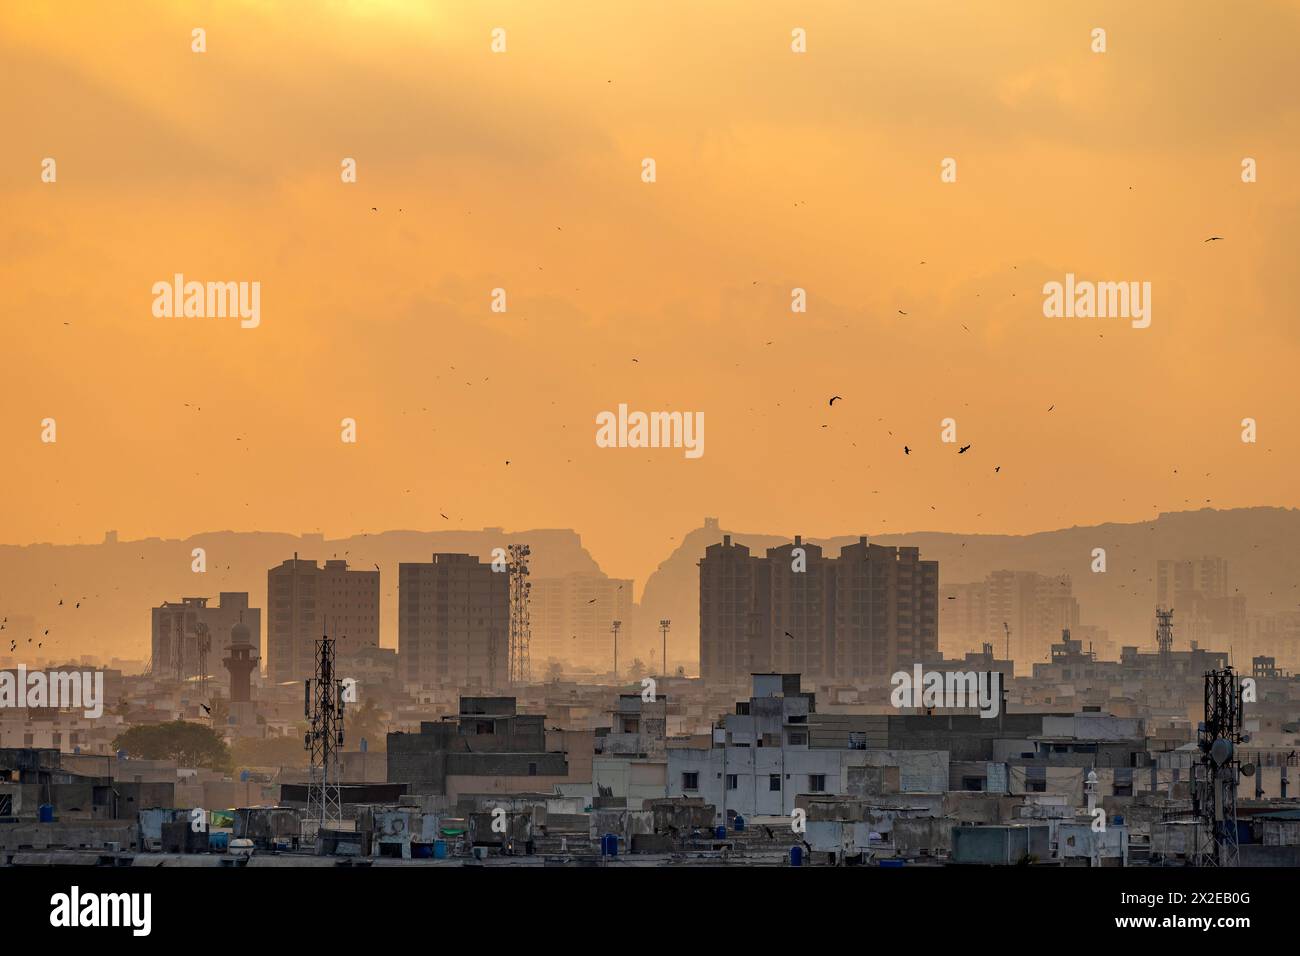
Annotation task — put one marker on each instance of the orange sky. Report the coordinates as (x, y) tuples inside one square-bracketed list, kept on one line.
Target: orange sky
[(521, 170)]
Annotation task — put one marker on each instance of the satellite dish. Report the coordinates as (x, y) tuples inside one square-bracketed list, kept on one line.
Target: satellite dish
[(1248, 769), (1221, 751)]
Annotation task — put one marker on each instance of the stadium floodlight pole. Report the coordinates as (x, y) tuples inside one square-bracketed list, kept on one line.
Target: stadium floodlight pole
[(614, 627), (664, 625)]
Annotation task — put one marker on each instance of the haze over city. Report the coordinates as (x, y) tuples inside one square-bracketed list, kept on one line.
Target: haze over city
[(521, 172), (660, 442)]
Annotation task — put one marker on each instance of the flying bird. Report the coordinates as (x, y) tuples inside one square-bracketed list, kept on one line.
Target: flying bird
[(901, 312), (997, 469), (1214, 239), (963, 449), (832, 401), (789, 635), (906, 450)]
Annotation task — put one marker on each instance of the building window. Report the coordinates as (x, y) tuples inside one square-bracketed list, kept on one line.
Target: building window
[(1035, 780), (774, 782), (532, 770), (798, 739), (733, 781), (816, 783), (690, 781)]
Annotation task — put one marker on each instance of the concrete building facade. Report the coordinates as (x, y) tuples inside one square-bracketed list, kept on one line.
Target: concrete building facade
[(304, 601), (453, 625)]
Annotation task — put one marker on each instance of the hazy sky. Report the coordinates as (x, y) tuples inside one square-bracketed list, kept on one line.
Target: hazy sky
[(522, 170)]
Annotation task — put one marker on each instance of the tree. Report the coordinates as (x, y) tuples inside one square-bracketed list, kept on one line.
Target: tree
[(189, 744), (554, 672), (637, 670)]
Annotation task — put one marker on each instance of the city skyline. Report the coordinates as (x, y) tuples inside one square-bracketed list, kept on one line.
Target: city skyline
[(644, 443), (924, 297)]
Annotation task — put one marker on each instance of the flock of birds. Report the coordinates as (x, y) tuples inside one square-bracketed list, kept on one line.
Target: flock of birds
[(13, 642)]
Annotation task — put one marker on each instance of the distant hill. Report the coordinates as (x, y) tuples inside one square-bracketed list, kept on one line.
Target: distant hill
[(1261, 545), (118, 582)]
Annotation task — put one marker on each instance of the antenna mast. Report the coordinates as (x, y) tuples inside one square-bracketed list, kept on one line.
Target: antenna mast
[(520, 627), (323, 706), (1214, 785)]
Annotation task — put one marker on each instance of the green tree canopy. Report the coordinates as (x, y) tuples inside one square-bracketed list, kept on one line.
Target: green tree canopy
[(189, 744)]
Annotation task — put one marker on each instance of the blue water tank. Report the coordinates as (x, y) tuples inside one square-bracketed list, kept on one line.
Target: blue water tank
[(609, 844), (440, 849), (1119, 820), (46, 813), (218, 840), (739, 823), (796, 856), (720, 833)]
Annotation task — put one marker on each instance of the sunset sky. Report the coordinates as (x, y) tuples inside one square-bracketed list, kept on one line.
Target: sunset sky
[(521, 170)]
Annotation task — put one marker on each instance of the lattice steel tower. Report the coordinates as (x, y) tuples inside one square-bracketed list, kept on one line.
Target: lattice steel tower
[(520, 628), (323, 706), (1214, 788), (1165, 636)]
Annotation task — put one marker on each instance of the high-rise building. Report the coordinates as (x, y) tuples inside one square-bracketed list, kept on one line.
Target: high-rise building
[(453, 625), (963, 619), (1185, 583), (801, 611), (1034, 607), (734, 626), (179, 626), (305, 601), (867, 613), (571, 617), (1205, 610), (886, 610)]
